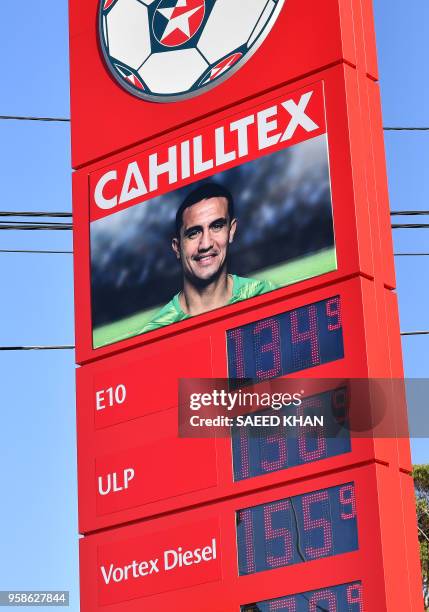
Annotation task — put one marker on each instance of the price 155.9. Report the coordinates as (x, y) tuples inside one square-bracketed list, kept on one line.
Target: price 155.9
[(297, 530)]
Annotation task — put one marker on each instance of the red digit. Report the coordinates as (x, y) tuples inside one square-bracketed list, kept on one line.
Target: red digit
[(275, 533), (245, 516), (287, 604), (321, 449), (355, 596), (340, 405), (236, 335), (320, 497), (272, 347), (348, 498), (333, 311), (325, 597), (310, 335), (244, 452), (281, 462)]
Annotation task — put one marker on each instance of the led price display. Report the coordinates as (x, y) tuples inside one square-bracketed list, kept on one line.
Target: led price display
[(287, 342), (341, 598), (262, 450), (298, 529)]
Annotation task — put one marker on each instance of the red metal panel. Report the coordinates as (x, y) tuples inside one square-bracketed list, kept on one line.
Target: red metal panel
[(140, 434), (307, 36), (352, 216), (217, 587), (132, 464), (371, 63)]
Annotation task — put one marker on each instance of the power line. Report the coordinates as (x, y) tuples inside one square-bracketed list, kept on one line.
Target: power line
[(35, 226), (407, 213), (47, 213), (415, 333), (20, 118), (72, 347), (67, 120), (406, 129), (10, 213), (24, 225), (47, 223), (38, 348), (410, 225), (28, 251), (71, 252)]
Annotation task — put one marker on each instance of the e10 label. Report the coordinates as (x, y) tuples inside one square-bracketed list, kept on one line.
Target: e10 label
[(108, 398)]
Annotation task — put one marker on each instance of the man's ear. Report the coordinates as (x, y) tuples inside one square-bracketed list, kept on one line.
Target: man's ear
[(175, 245), (232, 230)]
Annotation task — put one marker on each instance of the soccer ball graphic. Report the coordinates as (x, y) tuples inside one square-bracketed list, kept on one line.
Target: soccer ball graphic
[(167, 50)]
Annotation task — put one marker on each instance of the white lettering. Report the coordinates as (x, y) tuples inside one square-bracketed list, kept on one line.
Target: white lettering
[(199, 164), (170, 559), (133, 175), (136, 569), (115, 395), (100, 200), (178, 558), (185, 159), (99, 398), (222, 157), (156, 169), (298, 116), (265, 127), (114, 483), (241, 126), (129, 474), (107, 576), (218, 146)]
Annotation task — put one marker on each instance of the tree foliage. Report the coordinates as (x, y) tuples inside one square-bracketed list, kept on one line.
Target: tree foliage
[(421, 487)]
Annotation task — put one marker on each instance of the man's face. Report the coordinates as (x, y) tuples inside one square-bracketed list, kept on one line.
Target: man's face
[(205, 235)]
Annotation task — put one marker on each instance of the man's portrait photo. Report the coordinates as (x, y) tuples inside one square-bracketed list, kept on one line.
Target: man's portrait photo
[(239, 234), (205, 227)]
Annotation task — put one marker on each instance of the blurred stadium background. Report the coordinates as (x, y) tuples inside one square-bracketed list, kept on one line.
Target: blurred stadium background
[(285, 234)]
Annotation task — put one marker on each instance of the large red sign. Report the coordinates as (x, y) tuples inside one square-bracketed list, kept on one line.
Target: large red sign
[(316, 107), (132, 464), (305, 37), (276, 543), (213, 140)]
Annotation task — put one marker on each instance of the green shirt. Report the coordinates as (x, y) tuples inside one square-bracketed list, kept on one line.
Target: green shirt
[(242, 289)]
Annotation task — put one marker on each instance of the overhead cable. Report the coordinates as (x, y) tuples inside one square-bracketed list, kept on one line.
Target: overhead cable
[(415, 333), (35, 226), (23, 225), (56, 214), (67, 120), (410, 225), (20, 118), (406, 129), (71, 252), (11, 213), (38, 348), (72, 347), (30, 251), (406, 213)]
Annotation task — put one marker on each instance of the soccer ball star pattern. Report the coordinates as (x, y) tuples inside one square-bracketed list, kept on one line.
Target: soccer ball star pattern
[(173, 49)]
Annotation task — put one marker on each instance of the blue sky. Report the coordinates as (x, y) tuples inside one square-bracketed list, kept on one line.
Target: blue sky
[(38, 471)]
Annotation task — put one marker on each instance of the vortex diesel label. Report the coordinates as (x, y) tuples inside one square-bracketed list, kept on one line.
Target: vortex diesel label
[(158, 562)]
